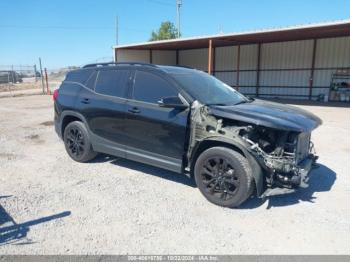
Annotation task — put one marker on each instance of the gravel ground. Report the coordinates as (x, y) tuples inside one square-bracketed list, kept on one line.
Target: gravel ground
[(52, 205)]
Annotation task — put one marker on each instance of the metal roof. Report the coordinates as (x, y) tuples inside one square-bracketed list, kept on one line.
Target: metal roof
[(299, 32)]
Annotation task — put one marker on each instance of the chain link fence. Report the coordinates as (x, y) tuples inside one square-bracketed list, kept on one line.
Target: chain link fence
[(22, 77), (19, 77)]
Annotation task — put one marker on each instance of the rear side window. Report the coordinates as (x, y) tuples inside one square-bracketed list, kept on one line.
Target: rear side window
[(151, 88), (79, 76), (90, 83), (112, 82)]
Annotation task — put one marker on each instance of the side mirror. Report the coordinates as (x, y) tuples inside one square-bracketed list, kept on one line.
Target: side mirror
[(172, 102)]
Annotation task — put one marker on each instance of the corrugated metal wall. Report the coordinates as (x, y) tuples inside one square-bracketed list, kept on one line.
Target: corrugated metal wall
[(285, 67), (248, 65), (331, 53), (125, 55), (226, 66), (196, 58), (161, 57)]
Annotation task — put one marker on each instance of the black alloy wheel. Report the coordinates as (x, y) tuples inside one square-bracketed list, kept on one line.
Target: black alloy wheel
[(220, 178), (77, 142), (224, 176)]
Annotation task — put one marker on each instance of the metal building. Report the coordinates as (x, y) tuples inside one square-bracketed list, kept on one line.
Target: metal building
[(294, 62)]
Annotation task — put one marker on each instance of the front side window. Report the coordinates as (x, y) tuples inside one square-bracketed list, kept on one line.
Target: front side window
[(151, 88), (207, 89), (112, 82)]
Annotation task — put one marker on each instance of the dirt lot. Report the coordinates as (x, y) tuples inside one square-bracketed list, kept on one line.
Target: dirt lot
[(52, 205), (30, 83), (20, 86)]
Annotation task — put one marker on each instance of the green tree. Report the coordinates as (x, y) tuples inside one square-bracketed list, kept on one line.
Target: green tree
[(167, 30)]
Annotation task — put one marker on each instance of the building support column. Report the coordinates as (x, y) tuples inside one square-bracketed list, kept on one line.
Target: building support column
[(213, 66), (311, 80), (210, 57), (150, 56), (257, 85), (238, 64), (115, 55), (177, 56)]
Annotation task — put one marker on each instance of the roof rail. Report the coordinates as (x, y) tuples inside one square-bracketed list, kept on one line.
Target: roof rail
[(184, 66), (119, 63)]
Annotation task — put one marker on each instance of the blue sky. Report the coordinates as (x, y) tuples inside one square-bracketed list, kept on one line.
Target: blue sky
[(76, 32)]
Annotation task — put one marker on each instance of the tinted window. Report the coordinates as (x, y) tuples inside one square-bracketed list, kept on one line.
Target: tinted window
[(90, 83), (207, 89), (80, 76), (151, 88), (112, 82)]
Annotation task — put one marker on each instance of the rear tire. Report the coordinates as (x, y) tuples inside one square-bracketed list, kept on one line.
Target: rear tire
[(224, 176), (77, 142)]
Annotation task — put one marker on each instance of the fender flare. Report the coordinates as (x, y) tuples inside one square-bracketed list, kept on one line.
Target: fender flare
[(258, 173), (71, 113)]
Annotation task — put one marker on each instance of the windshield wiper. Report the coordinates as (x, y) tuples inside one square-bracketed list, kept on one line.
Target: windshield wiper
[(242, 102)]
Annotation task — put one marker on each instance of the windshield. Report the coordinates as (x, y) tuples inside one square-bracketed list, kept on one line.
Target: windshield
[(207, 89)]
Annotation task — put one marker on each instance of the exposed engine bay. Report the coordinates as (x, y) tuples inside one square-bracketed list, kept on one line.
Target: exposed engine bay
[(280, 151), (283, 155)]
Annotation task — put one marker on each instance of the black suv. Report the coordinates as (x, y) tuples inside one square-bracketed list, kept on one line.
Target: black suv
[(186, 121)]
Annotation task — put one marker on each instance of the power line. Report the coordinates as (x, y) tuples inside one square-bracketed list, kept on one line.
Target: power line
[(58, 27), (160, 2), (53, 27)]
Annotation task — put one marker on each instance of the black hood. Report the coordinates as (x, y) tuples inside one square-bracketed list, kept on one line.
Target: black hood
[(269, 114)]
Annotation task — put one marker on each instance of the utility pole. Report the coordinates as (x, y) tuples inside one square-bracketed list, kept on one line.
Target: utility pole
[(178, 5), (116, 30)]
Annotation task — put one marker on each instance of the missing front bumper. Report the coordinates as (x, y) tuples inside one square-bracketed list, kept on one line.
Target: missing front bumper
[(303, 175)]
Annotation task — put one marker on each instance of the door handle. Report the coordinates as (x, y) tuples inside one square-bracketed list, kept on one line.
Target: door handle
[(134, 110), (85, 101)]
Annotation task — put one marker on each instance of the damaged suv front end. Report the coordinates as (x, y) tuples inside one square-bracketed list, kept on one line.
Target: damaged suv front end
[(275, 138), (287, 157)]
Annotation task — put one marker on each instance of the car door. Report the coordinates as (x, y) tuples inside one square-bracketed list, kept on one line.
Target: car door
[(155, 135), (104, 109)]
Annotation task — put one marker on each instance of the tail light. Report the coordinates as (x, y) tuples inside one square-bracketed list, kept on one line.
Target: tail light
[(55, 95)]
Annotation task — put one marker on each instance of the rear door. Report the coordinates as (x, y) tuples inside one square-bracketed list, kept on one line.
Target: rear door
[(155, 135), (104, 108)]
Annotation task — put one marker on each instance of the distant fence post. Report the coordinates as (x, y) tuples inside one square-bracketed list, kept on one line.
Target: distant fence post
[(8, 79), (47, 82), (35, 77), (12, 75), (42, 76)]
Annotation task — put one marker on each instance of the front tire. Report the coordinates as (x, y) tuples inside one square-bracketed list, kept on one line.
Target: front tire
[(223, 176), (77, 142)]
